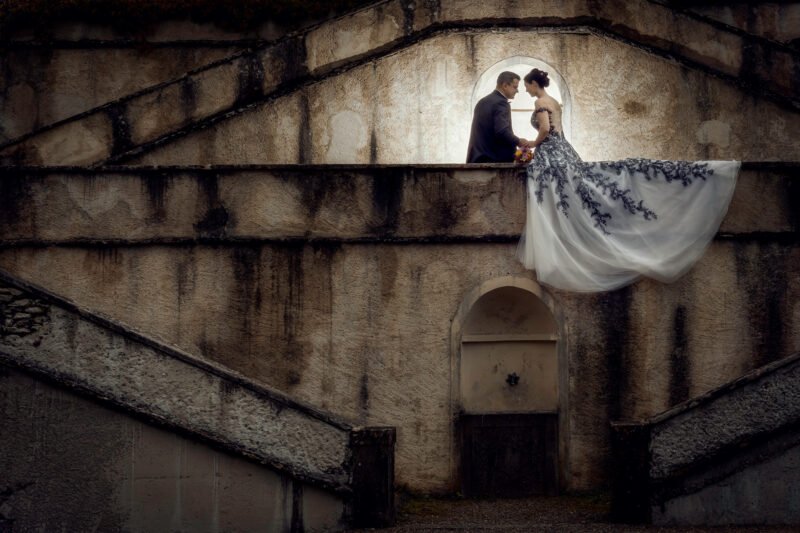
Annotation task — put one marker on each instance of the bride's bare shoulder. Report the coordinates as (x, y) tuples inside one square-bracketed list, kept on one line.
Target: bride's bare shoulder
[(552, 103), (547, 102)]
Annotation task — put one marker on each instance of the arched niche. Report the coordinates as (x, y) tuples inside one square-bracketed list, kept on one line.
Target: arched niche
[(507, 389), (522, 104), (509, 359)]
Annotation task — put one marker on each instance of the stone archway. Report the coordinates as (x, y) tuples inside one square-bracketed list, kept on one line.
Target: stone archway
[(522, 105), (506, 390)]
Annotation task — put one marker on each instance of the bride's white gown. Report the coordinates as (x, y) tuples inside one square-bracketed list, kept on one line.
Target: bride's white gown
[(596, 226)]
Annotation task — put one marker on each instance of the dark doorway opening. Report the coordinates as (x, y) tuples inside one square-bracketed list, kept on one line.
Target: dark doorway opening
[(509, 455)]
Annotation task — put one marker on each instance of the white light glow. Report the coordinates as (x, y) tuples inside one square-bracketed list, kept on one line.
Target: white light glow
[(522, 104)]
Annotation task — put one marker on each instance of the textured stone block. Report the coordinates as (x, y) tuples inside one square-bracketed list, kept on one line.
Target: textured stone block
[(80, 142), (356, 34)]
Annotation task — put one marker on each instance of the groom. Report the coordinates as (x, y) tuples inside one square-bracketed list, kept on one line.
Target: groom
[(491, 138)]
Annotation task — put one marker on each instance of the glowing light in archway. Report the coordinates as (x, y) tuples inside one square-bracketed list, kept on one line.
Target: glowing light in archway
[(522, 105)]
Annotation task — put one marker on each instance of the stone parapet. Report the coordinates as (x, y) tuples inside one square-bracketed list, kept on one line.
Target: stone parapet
[(133, 125), (434, 203), (688, 464), (52, 337)]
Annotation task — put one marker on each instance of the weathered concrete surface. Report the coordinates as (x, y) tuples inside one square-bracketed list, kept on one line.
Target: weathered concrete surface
[(42, 85), (415, 106), (356, 34), (363, 330), (71, 464), (772, 20), (760, 405), (727, 457), (339, 203), (393, 26), (83, 351), (224, 263), (765, 492)]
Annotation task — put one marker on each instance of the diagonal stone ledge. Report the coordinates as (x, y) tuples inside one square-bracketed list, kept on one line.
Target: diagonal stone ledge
[(134, 124), (673, 467), (50, 336), (763, 401), (342, 203)]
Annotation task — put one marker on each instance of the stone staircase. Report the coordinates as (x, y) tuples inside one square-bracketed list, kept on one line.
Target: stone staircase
[(728, 457), (129, 127), (47, 341)]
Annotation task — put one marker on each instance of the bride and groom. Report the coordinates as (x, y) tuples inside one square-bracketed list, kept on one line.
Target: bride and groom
[(599, 225)]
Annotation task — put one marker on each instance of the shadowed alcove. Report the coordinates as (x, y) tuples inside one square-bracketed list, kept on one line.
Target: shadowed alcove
[(507, 393)]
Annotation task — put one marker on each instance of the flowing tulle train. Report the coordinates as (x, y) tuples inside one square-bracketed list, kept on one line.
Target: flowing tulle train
[(597, 226)]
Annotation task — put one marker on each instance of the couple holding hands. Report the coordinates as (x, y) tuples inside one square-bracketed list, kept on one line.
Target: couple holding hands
[(600, 225)]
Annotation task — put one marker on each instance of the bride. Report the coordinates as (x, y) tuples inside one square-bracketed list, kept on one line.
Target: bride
[(597, 226)]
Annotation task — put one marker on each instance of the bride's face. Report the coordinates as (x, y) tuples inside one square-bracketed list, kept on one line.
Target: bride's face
[(531, 88)]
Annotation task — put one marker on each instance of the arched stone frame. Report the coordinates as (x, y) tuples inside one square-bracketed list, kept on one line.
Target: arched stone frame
[(491, 73), (456, 331)]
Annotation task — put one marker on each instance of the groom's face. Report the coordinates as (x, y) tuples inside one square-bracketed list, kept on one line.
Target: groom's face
[(510, 90)]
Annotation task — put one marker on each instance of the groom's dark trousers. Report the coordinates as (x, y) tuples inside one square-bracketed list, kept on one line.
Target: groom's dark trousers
[(491, 138)]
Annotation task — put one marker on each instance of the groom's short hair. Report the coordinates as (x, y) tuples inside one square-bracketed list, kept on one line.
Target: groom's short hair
[(507, 77)]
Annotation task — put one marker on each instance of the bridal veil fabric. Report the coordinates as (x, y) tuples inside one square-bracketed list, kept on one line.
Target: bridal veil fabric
[(597, 226)]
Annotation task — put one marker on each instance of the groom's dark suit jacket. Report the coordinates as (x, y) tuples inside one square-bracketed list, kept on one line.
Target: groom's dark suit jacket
[(491, 138)]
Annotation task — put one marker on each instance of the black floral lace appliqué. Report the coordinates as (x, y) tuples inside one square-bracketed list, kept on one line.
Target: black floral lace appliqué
[(555, 163)]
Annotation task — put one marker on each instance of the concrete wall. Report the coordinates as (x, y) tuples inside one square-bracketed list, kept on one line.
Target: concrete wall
[(779, 21), (389, 84), (185, 392), (727, 457), (41, 85), (415, 106), (358, 322), (99, 469), (49, 73), (764, 493)]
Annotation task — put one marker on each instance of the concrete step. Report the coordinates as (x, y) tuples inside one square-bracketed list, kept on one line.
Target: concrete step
[(133, 125)]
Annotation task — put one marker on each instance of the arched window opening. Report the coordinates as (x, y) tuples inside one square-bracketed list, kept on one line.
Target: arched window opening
[(522, 105)]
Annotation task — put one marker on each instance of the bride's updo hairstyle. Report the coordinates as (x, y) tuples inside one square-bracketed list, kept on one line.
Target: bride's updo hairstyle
[(538, 76)]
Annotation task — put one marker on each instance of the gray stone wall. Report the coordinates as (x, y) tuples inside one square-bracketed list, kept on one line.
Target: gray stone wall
[(729, 457), (71, 464), (107, 360), (765, 492), (40, 85), (346, 300), (378, 84), (779, 21), (415, 107)]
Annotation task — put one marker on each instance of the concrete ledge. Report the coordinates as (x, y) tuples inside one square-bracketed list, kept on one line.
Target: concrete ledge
[(150, 118), (357, 203), (44, 334), (689, 464), (761, 402)]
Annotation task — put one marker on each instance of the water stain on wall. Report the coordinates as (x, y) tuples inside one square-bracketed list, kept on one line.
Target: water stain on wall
[(217, 219), (15, 194), (387, 195), (761, 270), (680, 361), (631, 107)]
